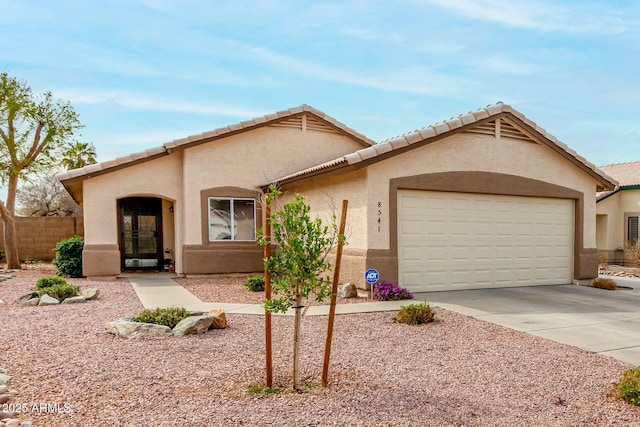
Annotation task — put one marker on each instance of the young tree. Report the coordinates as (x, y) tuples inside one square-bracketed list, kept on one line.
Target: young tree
[(32, 128), (78, 154), (299, 267)]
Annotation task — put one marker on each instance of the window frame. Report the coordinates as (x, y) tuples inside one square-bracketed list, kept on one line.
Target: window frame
[(628, 228), (232, 217)]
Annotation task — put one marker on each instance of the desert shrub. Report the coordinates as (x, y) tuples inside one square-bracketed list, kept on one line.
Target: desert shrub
[(604, 283), (632, 251), (254, 283), (49, 281), (68, 259), (60, 292), (169, 316), (1, 255), (387, 291), (628, 388), (415, 314)]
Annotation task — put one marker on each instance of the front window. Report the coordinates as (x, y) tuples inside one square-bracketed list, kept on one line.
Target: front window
[(232, 219), (632, 229)]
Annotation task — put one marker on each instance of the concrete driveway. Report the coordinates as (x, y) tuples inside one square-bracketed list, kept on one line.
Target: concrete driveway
[(597, 320)]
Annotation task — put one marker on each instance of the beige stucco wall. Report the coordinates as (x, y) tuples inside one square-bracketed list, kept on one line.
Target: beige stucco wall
[(156, 178), (251, 159), (325, 198), (474, 152), (246, 160), (615, 208)]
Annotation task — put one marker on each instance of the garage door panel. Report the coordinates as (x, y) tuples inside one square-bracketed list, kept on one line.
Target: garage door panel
[(475, 240)]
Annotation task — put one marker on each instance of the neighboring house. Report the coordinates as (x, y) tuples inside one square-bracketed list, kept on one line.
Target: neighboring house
[(485, 199), (618, 212)]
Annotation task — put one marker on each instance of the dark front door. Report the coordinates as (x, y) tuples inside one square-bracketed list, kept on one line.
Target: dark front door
[(140, 233)]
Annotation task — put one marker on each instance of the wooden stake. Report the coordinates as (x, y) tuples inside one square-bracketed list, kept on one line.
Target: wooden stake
[(267, 295), (334, 291)]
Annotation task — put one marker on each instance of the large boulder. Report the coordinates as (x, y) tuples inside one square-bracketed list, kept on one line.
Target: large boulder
[(193, 325), (348, 290), (219, 319), (48, 300), (90, 293), (131, 329)]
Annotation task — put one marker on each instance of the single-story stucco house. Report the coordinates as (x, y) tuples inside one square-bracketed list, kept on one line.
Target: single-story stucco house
[(618, 212), (484, 199)]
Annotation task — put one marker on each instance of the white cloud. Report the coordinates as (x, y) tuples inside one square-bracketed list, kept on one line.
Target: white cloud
[(542, 15), (136, 101)]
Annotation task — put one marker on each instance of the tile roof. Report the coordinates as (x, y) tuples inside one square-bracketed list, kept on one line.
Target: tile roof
[(445, 127), (167, 148), (627, 174)]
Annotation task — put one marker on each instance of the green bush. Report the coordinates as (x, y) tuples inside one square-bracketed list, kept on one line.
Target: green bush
[(68, 259), (1, 255), (628, 388), (50, 281), (254, 283), (415, 314), (60, 292), (169, 316), (263, 389)]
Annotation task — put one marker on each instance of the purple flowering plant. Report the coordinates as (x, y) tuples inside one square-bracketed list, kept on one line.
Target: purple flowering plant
[(387, 291)]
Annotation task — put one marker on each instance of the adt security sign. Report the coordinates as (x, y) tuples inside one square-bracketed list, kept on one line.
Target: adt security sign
[(371, 276)]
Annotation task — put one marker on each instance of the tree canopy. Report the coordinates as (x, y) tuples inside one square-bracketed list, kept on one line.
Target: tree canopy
[(33, 128)]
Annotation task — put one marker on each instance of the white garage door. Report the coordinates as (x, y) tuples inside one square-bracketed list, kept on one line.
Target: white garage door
[(467, 241)]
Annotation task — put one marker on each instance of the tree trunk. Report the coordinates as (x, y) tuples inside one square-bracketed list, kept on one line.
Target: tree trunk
[(10, 240), (296, 339)]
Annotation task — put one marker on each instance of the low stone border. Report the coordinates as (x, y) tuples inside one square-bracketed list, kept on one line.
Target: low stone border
[(198, 323), (33, 299), (8, 417)]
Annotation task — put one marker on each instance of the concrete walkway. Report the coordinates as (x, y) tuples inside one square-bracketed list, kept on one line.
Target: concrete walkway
[(157, 290)]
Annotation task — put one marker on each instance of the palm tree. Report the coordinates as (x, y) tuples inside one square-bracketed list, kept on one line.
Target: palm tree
[(78, 154)]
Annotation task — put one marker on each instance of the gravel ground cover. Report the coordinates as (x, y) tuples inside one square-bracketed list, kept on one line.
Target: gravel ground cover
[(231, 289), (457, 371)]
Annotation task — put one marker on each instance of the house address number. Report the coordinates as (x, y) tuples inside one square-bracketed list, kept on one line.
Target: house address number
[(379, 220)]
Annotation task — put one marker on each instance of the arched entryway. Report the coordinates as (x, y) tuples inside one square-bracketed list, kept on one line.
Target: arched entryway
[(140, 230)]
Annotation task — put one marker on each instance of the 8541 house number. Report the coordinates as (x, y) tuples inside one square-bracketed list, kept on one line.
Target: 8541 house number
[(379, 219)]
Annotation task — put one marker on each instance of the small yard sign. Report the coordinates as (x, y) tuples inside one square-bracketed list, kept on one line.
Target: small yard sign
[(371, 276)]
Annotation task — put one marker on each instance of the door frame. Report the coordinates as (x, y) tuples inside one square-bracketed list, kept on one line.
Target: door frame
[(151, 206)]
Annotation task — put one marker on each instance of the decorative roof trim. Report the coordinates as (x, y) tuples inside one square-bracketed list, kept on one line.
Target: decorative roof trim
[(167, 148), (402, 143)]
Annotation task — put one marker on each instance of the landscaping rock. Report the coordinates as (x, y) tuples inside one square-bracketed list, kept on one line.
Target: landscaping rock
[(12, 423), (3, 388), (74, 300), (4, 398), (90, 294), (193, 325), (7, 415), (130, 329), (28, 299), (219, 319), (2, 302), (48, 300), (348, 290), (4, 378)]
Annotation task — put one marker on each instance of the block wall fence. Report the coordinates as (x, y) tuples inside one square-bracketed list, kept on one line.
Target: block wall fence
[(38, 236)]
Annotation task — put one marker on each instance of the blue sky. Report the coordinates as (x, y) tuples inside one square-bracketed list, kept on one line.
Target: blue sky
[(144, 72)]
